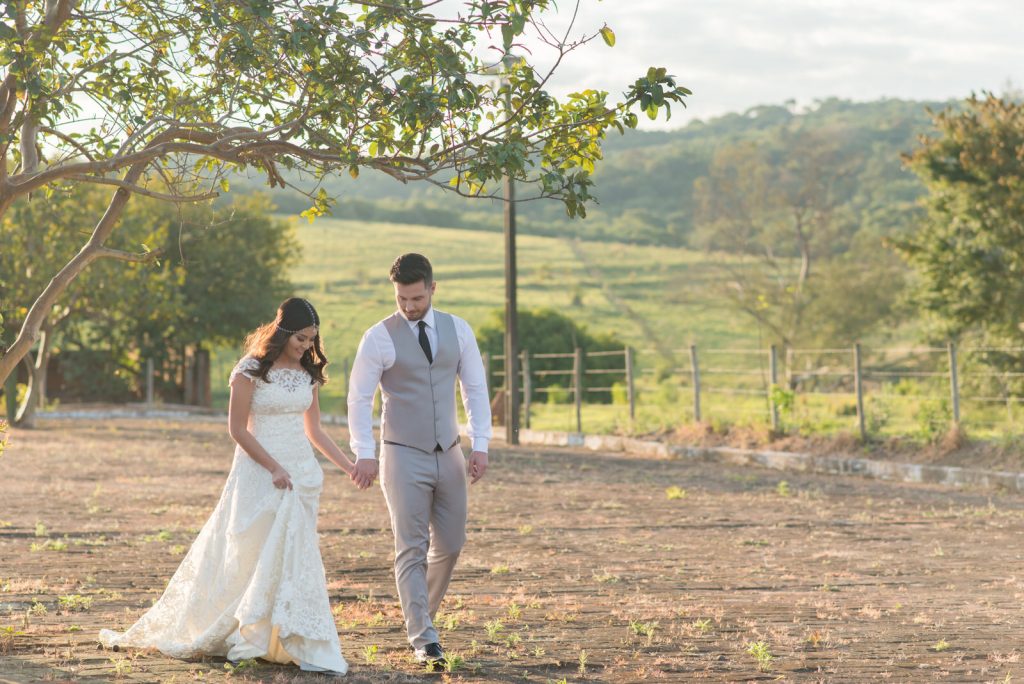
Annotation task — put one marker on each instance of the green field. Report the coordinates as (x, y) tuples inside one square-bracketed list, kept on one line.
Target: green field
[(640, 294), (658, 300)]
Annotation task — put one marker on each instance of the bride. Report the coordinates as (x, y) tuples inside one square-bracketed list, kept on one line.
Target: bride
[(252, 585)]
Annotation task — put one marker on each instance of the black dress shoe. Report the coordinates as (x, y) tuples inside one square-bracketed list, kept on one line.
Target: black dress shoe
[(433, 655)]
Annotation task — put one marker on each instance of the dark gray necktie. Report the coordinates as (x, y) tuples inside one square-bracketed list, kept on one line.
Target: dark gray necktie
[(424, 342)]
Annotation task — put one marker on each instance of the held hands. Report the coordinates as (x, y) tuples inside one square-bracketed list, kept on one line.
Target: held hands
[(364, 472), (476, 466), (282, 480)]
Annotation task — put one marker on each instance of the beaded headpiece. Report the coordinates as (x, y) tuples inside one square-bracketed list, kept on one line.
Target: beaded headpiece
[(289, 308)]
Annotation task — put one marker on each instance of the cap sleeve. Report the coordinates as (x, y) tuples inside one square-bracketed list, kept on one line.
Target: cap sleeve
[(246, 363)]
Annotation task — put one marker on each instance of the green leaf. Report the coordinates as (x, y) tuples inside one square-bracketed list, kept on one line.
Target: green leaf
[(353, 171), (224, 185), (608, 35)]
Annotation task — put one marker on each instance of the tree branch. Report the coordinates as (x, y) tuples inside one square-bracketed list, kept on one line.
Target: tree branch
[(131, 257), (138, 189), (69, 140)]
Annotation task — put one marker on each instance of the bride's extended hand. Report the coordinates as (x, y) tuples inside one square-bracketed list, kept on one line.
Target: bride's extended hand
[(348, 466), (364, 472), (282, 480)]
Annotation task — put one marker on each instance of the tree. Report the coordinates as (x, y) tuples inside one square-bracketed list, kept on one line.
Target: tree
[(968, 251), (38, 237), (179, 94), (781, 209), (225, 270), (545, 331)]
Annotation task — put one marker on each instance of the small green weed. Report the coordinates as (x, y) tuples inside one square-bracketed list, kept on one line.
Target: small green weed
[(161, 536), (74, 603), (674, 493), (48, 545), (645, 629), (240, 667), (494, 628), (454, 662), (7, 636), (762, 653), (703, 625), (123, 666)]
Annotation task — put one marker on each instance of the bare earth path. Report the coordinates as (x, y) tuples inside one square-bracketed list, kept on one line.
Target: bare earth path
[(579, 567)]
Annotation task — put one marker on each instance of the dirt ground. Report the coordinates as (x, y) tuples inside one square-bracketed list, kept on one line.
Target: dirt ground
[(579, 567)]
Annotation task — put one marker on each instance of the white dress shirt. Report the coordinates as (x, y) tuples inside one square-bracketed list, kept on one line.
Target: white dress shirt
[(376, 354)]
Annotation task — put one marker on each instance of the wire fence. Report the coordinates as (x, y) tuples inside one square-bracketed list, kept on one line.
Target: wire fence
[(917, 391)]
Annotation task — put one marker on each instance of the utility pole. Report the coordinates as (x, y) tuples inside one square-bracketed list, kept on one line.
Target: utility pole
[(511, 317)]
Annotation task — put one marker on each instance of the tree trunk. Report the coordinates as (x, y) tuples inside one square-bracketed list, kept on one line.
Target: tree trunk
[(26, 416), (11, 397), (35, 397)]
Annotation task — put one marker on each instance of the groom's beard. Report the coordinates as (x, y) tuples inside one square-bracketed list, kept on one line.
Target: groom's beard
[(415, 314)]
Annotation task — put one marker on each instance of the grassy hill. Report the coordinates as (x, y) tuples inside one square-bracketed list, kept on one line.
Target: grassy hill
[(643, 295)]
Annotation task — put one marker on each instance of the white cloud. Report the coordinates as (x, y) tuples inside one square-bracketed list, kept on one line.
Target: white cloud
[(735, 54)]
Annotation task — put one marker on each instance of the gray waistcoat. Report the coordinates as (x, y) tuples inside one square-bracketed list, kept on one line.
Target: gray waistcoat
[(419, 397)]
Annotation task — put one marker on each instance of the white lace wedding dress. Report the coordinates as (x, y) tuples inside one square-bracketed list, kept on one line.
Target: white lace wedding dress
[(252, 585)]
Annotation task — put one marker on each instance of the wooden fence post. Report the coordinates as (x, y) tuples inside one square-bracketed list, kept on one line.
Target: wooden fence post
[(577, 371), (695, 370), (954, 384), (859, 389), (189, 377), (630, 383), (524, 363), (773, 372), (149, 382), (204, 395)]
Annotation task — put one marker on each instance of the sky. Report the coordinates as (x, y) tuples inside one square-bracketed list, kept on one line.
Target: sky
[(737, 54)]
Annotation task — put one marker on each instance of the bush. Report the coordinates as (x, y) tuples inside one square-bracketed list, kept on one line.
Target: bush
[(91, 375), (557, 394), (545, 331)]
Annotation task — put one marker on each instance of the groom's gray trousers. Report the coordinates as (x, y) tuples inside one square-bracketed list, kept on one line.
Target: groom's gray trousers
[(426, 496)]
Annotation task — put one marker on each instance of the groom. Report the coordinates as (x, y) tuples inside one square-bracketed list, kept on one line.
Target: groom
[(415, 355)]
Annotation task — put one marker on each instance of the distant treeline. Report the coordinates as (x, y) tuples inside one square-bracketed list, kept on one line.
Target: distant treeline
[(646, 183)]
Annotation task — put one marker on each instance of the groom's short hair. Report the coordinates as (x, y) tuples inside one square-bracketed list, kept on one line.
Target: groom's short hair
[(411, 268)]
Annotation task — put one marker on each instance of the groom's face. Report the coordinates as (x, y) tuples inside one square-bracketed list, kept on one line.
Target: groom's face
[(414, 300)]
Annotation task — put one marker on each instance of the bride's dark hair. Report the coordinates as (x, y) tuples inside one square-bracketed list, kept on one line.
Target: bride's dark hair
[(266, 342)]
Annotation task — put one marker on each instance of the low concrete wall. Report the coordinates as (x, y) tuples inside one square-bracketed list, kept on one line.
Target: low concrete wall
[(780, 460)]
